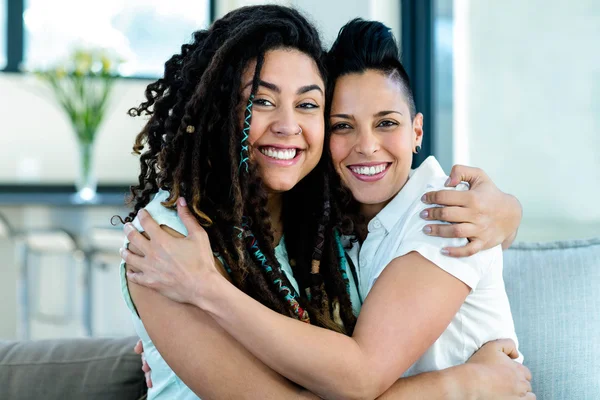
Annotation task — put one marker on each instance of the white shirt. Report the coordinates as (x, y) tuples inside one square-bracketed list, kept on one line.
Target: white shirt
[(397, 230)]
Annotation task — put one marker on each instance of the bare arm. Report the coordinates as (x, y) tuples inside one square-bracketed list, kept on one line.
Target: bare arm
[(204, 355), (409, 307), (166, 262)]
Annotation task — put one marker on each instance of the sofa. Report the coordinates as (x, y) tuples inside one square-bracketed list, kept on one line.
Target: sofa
[(554, 289)]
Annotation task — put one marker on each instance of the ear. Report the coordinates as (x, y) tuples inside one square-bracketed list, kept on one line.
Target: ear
[(418, 129)]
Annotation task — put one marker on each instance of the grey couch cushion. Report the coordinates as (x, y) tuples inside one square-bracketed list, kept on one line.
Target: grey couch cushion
[(91, 369), (554, 290)]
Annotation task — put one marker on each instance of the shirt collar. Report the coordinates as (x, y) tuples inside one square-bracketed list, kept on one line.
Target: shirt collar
[(414, 188)]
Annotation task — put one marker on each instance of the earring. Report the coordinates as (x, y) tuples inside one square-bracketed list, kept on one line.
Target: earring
[(417, 149)]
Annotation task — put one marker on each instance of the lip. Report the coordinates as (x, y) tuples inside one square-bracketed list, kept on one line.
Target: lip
[(278, 146), (280, 163), (371, 178)]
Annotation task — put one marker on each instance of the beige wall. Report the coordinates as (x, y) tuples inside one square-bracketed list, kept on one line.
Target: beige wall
[(38, 145), (527, 107)]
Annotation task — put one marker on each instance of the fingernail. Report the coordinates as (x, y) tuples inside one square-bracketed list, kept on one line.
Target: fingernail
[(448, 181), (182, 202), (424, 198), (445, 252), (128, 227), (427, 230), (424, 214)]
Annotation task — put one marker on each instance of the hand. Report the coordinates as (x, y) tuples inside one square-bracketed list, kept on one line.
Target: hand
[(497, 375), (177, 268), (139, 349), (484, 214)]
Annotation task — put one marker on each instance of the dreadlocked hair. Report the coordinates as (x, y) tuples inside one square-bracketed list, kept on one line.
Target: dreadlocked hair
[(195, 146)]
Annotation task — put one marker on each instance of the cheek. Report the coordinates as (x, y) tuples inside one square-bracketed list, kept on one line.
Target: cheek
[(314, 134), (257, 128), (339, 147), (399, 145)]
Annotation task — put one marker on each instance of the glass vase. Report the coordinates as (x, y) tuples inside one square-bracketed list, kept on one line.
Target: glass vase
[(87, 182)]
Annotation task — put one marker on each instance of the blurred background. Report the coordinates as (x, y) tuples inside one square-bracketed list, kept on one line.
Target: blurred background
[(510, 86)]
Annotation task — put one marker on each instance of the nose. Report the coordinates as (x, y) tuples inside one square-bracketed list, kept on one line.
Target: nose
[(367, 143), (286, 123)]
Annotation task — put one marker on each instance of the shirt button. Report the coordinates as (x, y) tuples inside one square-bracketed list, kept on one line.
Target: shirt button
[(376, 224)]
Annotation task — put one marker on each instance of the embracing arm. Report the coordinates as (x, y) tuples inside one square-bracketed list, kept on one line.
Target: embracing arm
[(203, 355), (216, 366), (409, 307), (483, 214), (171, 266)]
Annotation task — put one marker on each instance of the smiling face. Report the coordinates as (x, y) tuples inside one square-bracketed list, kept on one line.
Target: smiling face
[(373, 137), (287, 126)]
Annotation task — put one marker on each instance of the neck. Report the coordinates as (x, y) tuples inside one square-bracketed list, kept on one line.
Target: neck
[(369, 211), (274, 208)]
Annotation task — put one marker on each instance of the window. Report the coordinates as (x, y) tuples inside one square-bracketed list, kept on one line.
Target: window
[(3, 26), (144, 33), (443, 81)]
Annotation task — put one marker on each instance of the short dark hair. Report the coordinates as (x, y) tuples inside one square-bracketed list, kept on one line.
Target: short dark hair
[(362, 45)]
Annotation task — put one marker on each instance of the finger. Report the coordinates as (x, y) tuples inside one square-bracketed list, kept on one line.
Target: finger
[(508, 347), (527, 385), (462, 173), (453, 231), (474, 247), (145, 366), (149, 224), (135, 238), (132, 260), (448, 198), (448, 214), (187, 218), (148, 380), (138, 278), (138, 348), (526, 372)]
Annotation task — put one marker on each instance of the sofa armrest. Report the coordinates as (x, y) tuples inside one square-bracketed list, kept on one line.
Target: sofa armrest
[(90, 369)]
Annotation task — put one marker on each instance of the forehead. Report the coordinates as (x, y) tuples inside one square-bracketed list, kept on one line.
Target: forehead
[(285, 67), (366, 92)]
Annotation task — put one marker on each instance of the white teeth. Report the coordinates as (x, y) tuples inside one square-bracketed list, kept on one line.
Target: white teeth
[(277, 154), (369, 171)]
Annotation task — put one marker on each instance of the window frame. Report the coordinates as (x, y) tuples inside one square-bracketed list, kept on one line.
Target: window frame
[(15, 36)]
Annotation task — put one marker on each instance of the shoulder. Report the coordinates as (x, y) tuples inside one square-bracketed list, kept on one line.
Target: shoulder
[(167, 217), (413, 238)]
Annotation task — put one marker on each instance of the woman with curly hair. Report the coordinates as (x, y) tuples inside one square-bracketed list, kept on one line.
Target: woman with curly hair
[(236, 131)]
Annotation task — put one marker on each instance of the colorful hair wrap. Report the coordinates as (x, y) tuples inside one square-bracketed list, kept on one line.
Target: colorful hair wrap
[(343, 261), (244, 156), (288, 294)]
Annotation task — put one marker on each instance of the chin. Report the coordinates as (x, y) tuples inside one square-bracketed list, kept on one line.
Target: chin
[(370, 198), (280, 185)]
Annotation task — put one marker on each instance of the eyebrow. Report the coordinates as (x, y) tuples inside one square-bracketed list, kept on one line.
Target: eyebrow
[(386, 112), (343, 116), (276, 89), (379, 114)]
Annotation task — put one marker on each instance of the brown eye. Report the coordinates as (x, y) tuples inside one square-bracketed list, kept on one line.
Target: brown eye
[(263, 102), (387, 124), (340, 126), (308, 106)]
